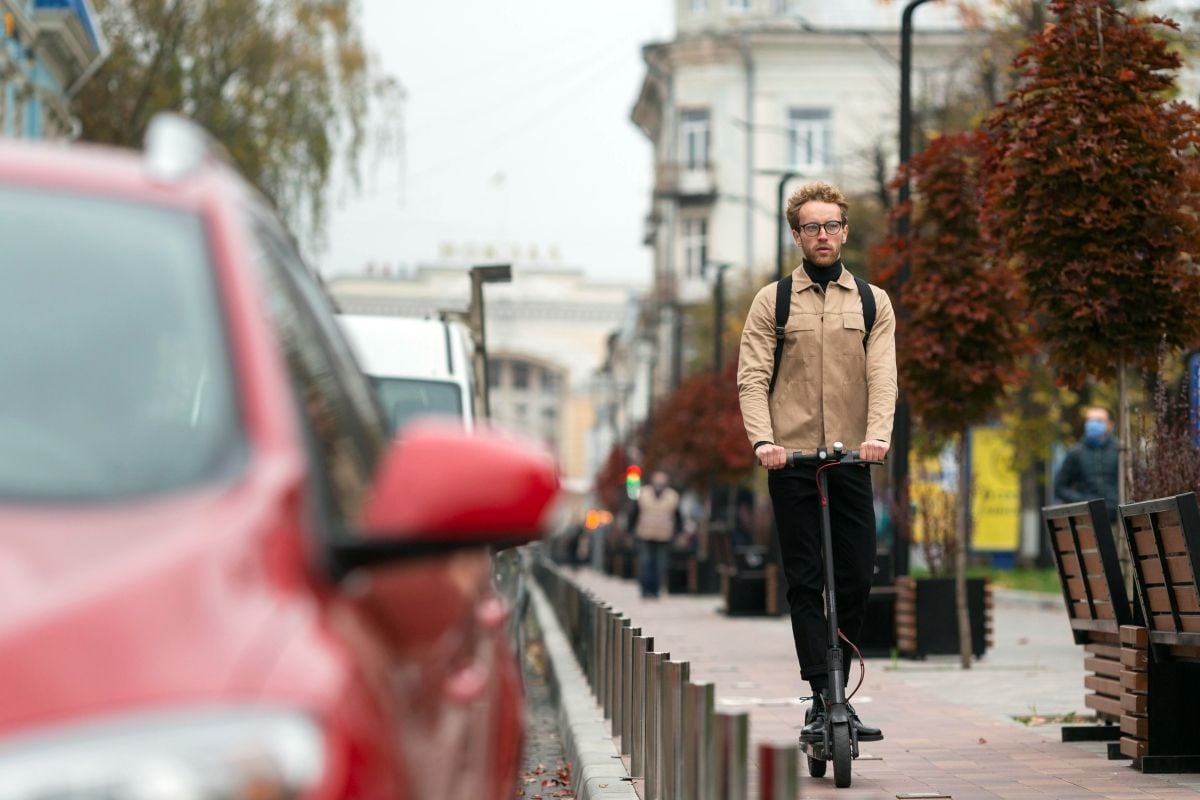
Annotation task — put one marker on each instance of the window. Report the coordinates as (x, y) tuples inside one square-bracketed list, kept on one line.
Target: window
[(810, 138), (520, 375), (494, 366), (117, 379), (336, 403), (406, 398), (550, 381), (699, 6), (694, 129), (780, 7), (695, 247), (739, 6)]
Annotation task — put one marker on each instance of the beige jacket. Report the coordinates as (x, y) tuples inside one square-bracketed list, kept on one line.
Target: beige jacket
[(656, 514), (828, 389)]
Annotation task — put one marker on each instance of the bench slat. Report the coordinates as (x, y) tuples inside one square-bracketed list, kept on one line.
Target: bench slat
[(1186, 597), (1172, 542), (1104, 667), (1107, 706), (1179, 567), (1107, 686)]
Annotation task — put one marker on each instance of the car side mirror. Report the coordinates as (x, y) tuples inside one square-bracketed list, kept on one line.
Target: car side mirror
[(439, 489)]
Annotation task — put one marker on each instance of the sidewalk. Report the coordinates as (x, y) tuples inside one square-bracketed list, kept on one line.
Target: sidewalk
[(950, 732)]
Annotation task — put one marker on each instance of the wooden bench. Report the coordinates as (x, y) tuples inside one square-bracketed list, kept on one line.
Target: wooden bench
[(748, 576), (1081, 539), (1161, 679)]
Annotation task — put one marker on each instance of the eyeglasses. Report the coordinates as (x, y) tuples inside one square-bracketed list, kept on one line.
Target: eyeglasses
[(833, 227)]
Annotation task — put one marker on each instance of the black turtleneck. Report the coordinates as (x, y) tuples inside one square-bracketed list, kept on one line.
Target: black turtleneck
[(823, 275)]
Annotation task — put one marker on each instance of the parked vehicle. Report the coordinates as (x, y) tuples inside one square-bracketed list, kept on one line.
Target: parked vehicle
[(221, 577), (419, 367)]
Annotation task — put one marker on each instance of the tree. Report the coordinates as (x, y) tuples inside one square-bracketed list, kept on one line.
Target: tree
[(1093, 175), (282, 84), (697, 433), (962, 333)]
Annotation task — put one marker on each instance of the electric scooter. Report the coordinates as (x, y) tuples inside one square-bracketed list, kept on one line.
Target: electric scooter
[(839, 743)]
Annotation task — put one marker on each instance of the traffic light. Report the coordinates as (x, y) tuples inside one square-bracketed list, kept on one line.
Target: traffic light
[(633, 481)]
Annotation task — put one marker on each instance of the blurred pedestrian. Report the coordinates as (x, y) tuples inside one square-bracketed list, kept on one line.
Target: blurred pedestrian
[(655, 520), (1090, 469), (828, 375)]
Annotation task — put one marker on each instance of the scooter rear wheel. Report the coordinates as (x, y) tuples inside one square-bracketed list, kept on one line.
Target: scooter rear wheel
[(816, 767), (841, 755)]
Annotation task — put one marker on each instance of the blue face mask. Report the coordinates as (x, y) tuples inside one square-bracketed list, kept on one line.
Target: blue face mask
[(1094, 430)]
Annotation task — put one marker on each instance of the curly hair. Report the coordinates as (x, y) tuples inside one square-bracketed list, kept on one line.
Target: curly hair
[(818, 192)]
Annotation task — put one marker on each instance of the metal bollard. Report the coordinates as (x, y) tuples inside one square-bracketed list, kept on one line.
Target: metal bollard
[(611, 657), (593, 613), (698, 701), (618, 667), (606, 668), (627, 637), (674, 676), (601, 635), (653, 760), (731, 733), (778, 771), (637, 747)]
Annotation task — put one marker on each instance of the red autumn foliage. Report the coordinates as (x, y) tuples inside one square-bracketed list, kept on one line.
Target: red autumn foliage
[(698, 432), (1093, 176), (961, 335), (610, 480)]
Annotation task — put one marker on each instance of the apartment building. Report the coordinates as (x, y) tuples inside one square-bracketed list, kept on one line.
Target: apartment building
[(48, 50)]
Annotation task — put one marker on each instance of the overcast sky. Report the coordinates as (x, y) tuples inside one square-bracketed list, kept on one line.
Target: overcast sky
[(518, 132)]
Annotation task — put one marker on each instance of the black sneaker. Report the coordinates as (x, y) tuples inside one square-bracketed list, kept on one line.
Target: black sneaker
[(865, 732), (814, 722)]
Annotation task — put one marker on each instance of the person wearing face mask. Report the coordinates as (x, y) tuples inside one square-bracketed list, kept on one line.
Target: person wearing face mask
[(1090, 469), (654, 520)]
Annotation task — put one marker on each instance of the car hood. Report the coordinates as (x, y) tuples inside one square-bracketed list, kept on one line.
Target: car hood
[(121, 609)]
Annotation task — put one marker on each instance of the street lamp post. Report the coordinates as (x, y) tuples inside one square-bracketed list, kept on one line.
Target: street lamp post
[(783, 179), (901, 435), (718, 314), (481, 274)]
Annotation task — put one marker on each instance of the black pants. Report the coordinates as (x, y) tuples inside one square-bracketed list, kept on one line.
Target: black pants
[(798, 520)]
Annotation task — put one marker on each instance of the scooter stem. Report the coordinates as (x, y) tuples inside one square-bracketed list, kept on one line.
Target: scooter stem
[(837, 683)]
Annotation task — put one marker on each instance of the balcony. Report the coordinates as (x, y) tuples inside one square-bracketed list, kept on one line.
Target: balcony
[(68, 33), (685, 182)]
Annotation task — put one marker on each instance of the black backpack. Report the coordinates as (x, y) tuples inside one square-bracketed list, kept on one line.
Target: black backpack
[(783, 309)]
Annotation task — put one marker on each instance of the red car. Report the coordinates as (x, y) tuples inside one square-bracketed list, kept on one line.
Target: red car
[(220, 577)]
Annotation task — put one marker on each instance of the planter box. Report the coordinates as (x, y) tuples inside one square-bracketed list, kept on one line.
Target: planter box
[(927, 621)]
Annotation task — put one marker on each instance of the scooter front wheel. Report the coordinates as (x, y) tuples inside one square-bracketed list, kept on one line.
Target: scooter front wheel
[(840, 745)]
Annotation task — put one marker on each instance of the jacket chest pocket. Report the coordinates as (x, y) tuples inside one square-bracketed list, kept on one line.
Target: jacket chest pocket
[(852, 330), (803, 336)]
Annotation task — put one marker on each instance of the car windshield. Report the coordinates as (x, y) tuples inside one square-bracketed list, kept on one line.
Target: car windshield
[(405, 398), (116, 375)]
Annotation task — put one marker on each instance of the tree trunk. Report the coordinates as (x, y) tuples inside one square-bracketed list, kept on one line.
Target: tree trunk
[(960, 553)]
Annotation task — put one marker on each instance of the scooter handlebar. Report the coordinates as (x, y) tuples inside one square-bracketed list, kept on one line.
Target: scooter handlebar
[(798, 457)]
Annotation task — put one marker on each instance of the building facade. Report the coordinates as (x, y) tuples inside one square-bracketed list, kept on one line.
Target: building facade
[(48, 50), (548, 338), (749, 90)]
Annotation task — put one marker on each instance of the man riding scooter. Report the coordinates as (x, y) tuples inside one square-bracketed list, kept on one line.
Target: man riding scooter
[(817, 365)]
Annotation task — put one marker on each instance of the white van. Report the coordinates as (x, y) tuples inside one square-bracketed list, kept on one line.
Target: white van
[(418, 366)]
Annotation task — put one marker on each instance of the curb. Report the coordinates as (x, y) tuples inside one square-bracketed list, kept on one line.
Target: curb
[(597, 770)]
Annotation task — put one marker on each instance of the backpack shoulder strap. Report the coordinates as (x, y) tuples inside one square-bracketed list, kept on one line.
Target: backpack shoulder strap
[(783, 308), (868, 305)]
